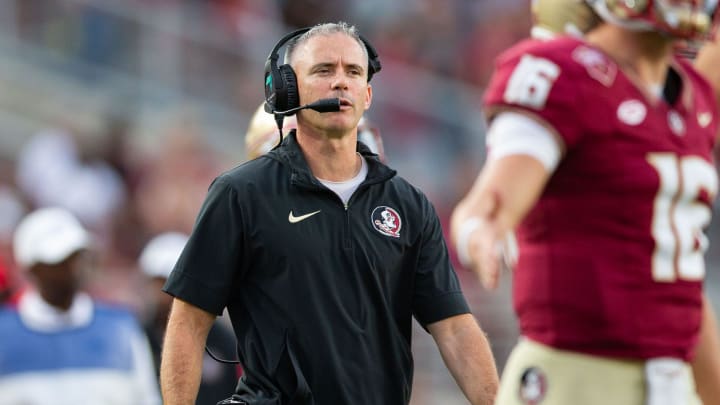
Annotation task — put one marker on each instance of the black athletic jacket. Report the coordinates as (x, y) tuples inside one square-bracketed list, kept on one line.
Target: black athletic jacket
[(321, 294)]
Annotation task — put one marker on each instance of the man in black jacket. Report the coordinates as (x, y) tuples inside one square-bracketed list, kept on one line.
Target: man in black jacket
[(322, 256)]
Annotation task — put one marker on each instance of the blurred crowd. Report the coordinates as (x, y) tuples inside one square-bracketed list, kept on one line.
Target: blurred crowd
[(122, 195), (128, 181), (436, 54)]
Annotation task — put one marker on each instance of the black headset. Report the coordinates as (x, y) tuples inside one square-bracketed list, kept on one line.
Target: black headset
[(281, 91)]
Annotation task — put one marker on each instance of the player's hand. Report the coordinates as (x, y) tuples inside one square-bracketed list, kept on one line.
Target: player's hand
[(489, 247), (491, 251)]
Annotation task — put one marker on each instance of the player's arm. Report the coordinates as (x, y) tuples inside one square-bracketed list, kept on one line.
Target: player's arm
[(523, 154), (467, 355), (706, 365), (707, 62), (181, 365)]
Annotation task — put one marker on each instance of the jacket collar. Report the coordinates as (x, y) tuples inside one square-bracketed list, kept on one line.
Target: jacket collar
[(289, 153)]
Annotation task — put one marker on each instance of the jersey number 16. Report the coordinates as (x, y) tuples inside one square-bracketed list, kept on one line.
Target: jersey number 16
[(680, 215)]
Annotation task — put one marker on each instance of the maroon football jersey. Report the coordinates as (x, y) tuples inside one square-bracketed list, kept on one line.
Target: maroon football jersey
[(611, 257)]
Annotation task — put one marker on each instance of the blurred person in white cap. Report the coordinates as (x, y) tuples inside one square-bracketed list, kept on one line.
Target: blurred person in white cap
[(57, 343), (156, 261)]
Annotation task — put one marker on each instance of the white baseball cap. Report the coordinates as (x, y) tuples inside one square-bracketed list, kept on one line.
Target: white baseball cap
[(49, 236), (162, 252)]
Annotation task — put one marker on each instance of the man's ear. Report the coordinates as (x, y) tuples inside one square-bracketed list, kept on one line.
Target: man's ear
[(368, 97)]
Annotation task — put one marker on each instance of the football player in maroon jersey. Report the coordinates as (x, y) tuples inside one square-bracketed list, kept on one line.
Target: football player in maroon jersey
[(600, 158)]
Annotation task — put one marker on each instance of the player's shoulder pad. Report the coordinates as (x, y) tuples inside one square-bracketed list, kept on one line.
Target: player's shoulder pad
[(536, 75), (574, 58)]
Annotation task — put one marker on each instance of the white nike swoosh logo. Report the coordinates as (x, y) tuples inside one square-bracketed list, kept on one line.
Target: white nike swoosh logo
[(293, 219)]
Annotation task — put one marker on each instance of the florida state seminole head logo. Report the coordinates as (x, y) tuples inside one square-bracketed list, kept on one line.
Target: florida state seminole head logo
[(533, 386), (386, 221)]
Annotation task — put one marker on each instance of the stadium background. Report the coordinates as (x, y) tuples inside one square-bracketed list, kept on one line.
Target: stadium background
[(164, 90)]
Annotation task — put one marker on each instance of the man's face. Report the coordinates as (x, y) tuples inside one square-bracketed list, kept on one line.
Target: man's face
[(58, 283), (332, 66)]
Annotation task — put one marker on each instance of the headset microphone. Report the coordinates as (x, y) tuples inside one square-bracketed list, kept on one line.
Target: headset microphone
[(323, 105)]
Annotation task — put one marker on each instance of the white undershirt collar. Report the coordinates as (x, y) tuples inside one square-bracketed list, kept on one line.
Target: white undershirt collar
[(345, 189), (40, 316)]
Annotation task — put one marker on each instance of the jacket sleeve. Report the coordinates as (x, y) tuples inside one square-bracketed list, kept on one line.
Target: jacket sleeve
[(437, 292)]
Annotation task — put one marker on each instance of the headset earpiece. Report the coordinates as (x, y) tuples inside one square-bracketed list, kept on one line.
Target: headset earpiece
[(270, 94), (279, 94), (290, 92), (374, 65)]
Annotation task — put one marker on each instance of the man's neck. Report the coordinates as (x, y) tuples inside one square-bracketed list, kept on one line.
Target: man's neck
[(332, 159), (644, 55)]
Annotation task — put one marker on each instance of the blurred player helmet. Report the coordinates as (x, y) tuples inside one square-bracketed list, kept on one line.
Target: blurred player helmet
[(686, 19), (262, 134), (370, 136), (554, 17)]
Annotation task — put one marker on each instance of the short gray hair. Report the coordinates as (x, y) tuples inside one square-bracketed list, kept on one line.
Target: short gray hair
[(325, 29)]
